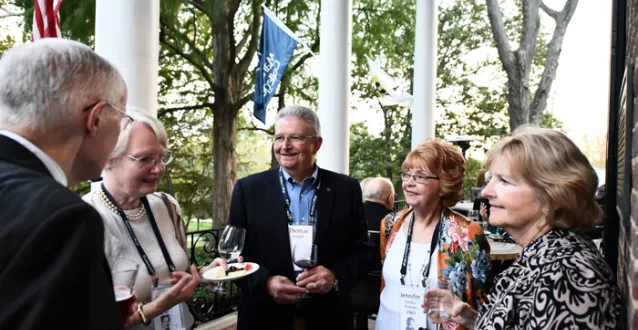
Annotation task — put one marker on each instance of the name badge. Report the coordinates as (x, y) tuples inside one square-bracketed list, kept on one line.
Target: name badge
[(171, 319), (299, 234), (411, 314)]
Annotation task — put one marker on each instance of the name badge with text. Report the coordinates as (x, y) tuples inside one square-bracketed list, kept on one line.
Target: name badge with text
[(412, 316), (300, 234)]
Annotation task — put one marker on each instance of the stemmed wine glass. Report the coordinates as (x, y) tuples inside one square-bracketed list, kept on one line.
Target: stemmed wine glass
[(445, 302), (305, 256), (230, 245)]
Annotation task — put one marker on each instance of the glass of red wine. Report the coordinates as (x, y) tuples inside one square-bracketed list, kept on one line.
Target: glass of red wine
[(124, 273), (305, 256)]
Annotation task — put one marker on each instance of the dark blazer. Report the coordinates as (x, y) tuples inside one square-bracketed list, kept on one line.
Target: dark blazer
[(342, 238), (375, 212), (53, 272)]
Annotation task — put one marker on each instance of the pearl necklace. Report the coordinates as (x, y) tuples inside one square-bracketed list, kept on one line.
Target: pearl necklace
[(135, 216)]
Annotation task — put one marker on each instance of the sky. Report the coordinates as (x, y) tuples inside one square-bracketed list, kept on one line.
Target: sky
[(581, 88)]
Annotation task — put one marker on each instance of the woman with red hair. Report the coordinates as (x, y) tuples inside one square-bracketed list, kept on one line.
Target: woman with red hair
[(428, 245)]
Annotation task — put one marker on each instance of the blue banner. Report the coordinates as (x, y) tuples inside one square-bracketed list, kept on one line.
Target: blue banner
[(276, 46)]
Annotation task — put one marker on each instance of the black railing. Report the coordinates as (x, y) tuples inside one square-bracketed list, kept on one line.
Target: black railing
[(207, 305)]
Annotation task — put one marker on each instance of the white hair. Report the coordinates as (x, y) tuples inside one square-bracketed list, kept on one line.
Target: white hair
[(378, 189), (44, 85), (306, 114), (139, 116)]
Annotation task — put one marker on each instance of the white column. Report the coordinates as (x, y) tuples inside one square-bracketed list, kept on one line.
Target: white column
[(334, 84), (424, 92), (127, 34)]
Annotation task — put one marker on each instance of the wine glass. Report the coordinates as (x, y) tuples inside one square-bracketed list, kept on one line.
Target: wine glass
[(230, 244), (305, 256), (124, 273), (473, 215), (444, 304)]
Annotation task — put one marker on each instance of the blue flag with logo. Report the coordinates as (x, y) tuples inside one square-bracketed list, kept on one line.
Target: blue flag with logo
[(276, 45)]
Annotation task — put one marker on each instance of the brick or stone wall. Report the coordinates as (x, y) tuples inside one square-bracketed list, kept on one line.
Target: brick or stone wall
[(628, 240)]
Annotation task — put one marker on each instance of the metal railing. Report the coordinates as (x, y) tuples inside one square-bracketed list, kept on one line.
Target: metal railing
[(205, 304)]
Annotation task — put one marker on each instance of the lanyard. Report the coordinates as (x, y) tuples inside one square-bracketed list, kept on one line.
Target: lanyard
[(138, 246), (435, 240), (313, 204)]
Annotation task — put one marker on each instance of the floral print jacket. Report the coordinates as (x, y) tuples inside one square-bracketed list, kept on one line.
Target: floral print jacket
[(463, 257)]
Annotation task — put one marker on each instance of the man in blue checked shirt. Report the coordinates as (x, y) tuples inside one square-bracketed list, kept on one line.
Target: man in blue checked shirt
[(300, 197)]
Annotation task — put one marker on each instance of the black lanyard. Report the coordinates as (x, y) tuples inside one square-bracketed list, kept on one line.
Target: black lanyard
[(435, 239), (158, 235), (313, 204)]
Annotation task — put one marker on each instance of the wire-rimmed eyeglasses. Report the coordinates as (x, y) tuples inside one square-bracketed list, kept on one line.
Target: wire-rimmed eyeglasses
[(294, 138), (125, 120), (149, 161), (418, 178)]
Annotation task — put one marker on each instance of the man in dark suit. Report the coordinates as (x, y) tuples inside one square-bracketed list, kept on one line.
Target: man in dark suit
[(270, 204), (378, 199), (58, 126)]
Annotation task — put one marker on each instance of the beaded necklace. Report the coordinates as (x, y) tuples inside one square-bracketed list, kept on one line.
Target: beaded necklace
[(135, 216)]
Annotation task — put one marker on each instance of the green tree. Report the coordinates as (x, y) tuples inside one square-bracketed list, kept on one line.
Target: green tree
[(532, 54), (384, 30), (207, 49)]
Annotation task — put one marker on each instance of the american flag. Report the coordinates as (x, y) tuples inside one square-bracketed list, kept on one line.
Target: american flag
[(46, 19)]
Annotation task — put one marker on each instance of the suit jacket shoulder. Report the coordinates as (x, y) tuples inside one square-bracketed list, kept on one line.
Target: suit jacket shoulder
[(52, 256)]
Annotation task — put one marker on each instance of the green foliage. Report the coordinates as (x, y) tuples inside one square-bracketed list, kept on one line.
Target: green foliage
[(472, 167), (82, 188), (77, 18), (549, 121), (384, 31), (188, 177)]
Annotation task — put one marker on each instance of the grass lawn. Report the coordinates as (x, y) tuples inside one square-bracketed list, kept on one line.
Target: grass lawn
[(203, 225)]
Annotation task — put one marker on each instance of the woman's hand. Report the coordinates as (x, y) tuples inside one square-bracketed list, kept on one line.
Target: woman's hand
[(483, 212), (460, 312), (128, 309), (183, 286)]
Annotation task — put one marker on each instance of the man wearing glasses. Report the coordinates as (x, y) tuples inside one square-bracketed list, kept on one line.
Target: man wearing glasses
[(59, 120), (300, 204)]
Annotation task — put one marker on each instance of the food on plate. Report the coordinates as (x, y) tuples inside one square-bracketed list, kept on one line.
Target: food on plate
[(220, 272), (233, 271)]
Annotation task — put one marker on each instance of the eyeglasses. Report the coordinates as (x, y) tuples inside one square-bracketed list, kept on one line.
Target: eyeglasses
[(150, 161), (125, 120), (294, 138), (418, 178)]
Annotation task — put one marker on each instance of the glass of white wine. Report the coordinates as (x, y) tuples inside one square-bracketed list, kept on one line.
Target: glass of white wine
[(445, 303), (230, 245)]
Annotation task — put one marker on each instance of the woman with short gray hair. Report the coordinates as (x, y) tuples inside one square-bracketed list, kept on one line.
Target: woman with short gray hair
[(144, 225)]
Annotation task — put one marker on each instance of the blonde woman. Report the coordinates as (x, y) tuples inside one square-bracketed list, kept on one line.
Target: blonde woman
[(542, 194)]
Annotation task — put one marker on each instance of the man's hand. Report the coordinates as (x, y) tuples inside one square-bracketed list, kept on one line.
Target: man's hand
[(283, 290), (317, 279)]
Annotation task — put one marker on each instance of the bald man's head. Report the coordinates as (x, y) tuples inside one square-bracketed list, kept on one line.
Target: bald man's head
[(379, 190)]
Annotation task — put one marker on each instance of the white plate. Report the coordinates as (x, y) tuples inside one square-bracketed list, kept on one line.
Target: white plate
[(211, 273)]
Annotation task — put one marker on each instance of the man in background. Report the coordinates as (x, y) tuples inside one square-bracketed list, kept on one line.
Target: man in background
[(378, 198)]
